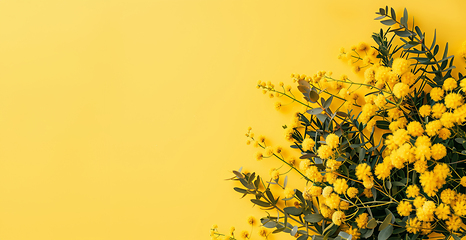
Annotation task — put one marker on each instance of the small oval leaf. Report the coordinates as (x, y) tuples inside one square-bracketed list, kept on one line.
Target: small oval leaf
[(372, 223), (385, 222)]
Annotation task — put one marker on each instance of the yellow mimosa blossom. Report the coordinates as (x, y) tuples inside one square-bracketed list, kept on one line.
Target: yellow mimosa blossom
[(245, 234), (444, 133), (361, 220), (449, 84), (442, 211), (412, 191), (454, 223), (463, 181), (337, 217), (263, 231), (419, 201), (352, 192), (438, 151), (453, 100), (324, 151), (368, 193), (400, 66), (448, 119), (400, 90), (408, 78), (333, 201), (308, 144), (363, 170), (413, 225), (332, 140), (327, 191), (251, 220), (340, 185), (415, 129), (426, 228), (438, 109), (425, 110), (436, 94), (404, 208), (432, 128), (268, 151)]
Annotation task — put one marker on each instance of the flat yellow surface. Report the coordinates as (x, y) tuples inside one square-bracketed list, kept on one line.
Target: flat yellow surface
[(121, 119)]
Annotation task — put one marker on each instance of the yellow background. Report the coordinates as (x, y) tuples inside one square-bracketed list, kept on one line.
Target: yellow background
[(121, 119)]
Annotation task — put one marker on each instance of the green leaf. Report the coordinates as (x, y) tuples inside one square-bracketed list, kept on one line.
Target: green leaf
[(342, 114), (313, 96), (293, 211), (315, 111), (388, 22), (303, 237), (393, 14), (328, 102), (367, 234), (260, 203), (385, 222), (279, 230), (362, 154), (294, 231), (382, 11), (434, 41), (313, 218), (385, 233), (403, 33), (240, 190), (388, 184), (238, 174), (372, 223), (382, 124), (270, 224), (270, 195)]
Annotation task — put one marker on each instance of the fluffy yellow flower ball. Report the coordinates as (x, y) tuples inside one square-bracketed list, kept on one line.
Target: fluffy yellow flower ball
[(453, 100), (327, 191), (425, 110), (333, 201), (404, 208), (308, 144), (413, 225), (432, 128), (363, 170), (438, 109), (438, 151), (448, 119), (401, 90), (412, 191), (337, 217), (251, 220), (332, 140), (315, 191), (408, 78), (463, 181), (449, 84), (400, 66), (444, 134), (415, 129), (352, 192), (340, 185), (361, 220), (442, 211), (436, 94), (324, 151)]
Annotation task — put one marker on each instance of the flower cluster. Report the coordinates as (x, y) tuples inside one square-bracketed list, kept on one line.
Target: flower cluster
[(387, 151)]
